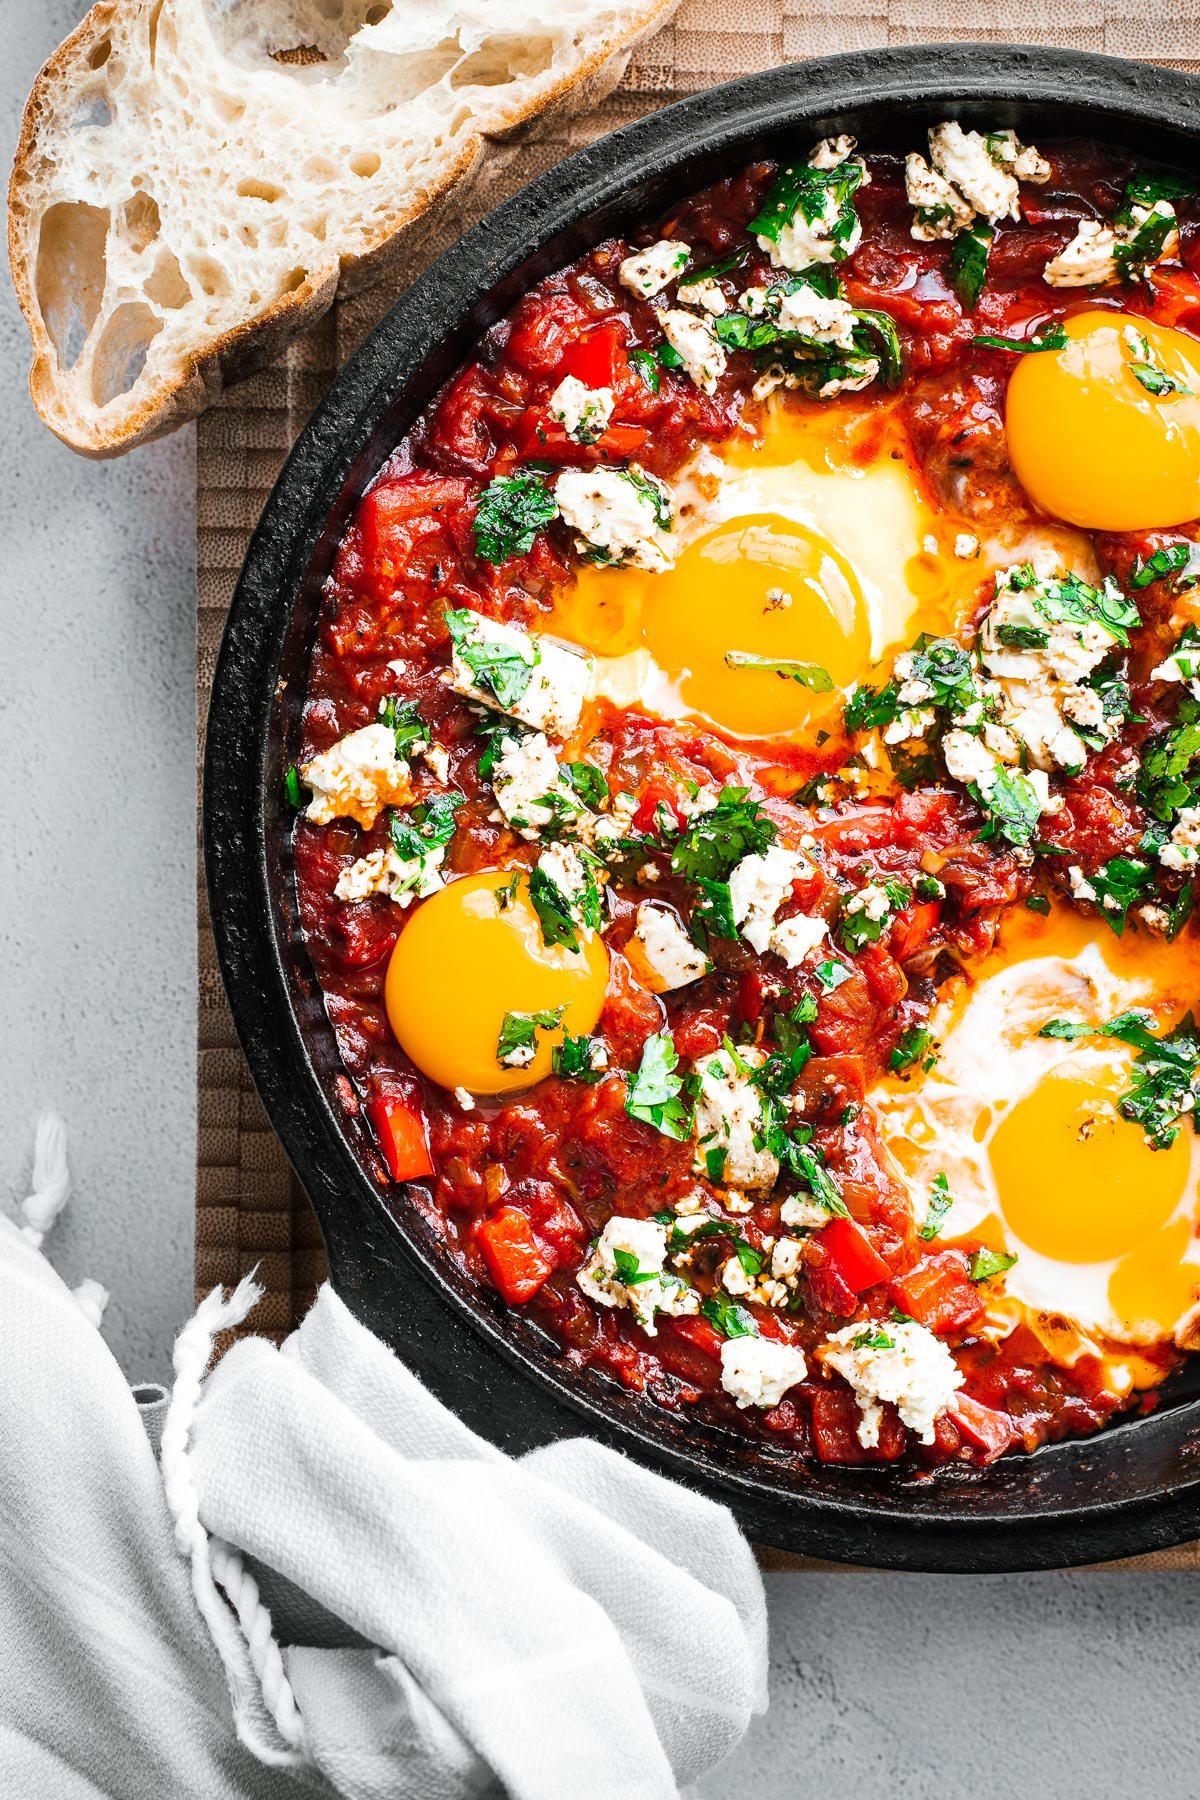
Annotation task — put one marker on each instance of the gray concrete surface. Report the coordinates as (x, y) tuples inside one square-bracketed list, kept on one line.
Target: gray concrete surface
[(1045, 1687)]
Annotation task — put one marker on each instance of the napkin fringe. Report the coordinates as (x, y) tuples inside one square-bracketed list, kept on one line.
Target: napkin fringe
[(265, 1712)]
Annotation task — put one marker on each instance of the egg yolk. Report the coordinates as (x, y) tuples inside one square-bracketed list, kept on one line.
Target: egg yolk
[(472, 953), (1105, 433), (1077, 1182)]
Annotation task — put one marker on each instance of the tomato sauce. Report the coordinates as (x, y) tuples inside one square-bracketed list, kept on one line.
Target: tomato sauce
[(520, 1186)]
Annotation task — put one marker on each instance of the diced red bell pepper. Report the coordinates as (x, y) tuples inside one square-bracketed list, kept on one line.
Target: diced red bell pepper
[(516, 1261), (699, 1333), (990, 1431), (939, 1293), (850, 1253), (596, 356), (540, 437), (835, 1418), (912, 927), (399, 1127)]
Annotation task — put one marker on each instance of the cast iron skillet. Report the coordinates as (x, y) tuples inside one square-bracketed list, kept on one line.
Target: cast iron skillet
[(1136, 1486)]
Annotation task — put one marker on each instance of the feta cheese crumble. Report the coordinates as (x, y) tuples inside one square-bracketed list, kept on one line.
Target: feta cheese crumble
[(693, 340), (572, 879), (1182, 852), (796, 938), (356, 778), (1093, 257), (552, 697), (663, 952), (583, 412), (969, 175), (729, 1118), (708, 295), (648, 272), (618, 515), (625, 1269), (758, 1371), (531, 789), (965, 159), (914, 1371), (402, 879), (758, 887)]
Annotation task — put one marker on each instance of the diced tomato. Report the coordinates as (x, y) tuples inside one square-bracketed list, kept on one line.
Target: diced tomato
[(990, 1431), (835, 1418), (656, 794), (700, 1333), (850, 1252), (596, 357), (516, 1261), (400, 1129), (912, 927), (939, 1293), (540, 436)]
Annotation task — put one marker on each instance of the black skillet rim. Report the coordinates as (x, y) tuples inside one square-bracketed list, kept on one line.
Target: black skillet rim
[(1133, 1488)]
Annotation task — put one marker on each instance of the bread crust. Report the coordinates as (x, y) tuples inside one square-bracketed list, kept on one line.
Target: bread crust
[(261, 336)]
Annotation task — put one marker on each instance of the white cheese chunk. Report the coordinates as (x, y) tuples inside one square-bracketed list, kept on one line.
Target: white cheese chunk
[(832, 152), (758, 1371), (916, 1373), (648, 272), (1026, 163), (962, 157), (531, 789), (574, 881), (583, 412), (645, 1242), (1182, 853), (729, 1117), (621, 515), (758, 886), (704, 360), (662, 951), (813, 315), (803, 1213), (402, 879), (1089, 260), (559, 678), (796, 938), (940, 208), (708, 295), (356, 778)]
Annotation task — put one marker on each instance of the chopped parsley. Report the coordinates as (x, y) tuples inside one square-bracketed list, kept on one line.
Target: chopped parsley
[(629, 1271), (1054, 339), (1058, 600), (580, 1058), (969, 260), (511, 511), (714, 1163), (644, 364), (668, 357), (291, 788), (940, 1202), (940, 663), (858, 928), (1170, 560), (1167, 780), (1118, 884), (725, 265), (714, 842), (497, 666), (1165, 1076), (517, 1043), (985, 1264), (712, 916), (832, 974), (656, 1090), (405, 723), (912, 1048), (877, 1339), (588, 783), (810, 675), (428, 826), (1147, 368), (1012, 807), (730, 1319), (560, 915), (813, 194)]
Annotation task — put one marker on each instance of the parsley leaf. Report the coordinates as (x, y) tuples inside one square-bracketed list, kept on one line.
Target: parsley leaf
[(588, 783), (987, 1263), (1168, 561), (644, 364), (560, 914), (873, 1340), (832, 974), (402, 718), (497, 666), (911, 1048), (1166, 780), (629, 1271), (969, 261), (809, 675), (1120, 882), (426, 827), (511, 511), (1012, 807), (712, 916), (580, 1058), (940, 663), (517, 1043), (730, 1319), (655, 1094), (1054, 339), (291, 788), (715, 841), (940, 1202)]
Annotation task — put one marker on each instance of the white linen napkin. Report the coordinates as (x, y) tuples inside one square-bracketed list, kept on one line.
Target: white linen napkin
[(453, 1622)]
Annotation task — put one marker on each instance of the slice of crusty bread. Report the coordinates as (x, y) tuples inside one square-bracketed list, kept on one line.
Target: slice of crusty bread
[(197, 179)]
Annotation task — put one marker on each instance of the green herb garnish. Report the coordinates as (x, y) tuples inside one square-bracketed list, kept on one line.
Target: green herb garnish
[(511, 511), (497, 666), (810, 675), (940, 1202), (713, 842), (655, 1094), (985, 1264)]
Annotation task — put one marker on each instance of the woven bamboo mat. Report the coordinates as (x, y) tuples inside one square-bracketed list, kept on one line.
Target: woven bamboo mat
[(249, 1207)]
